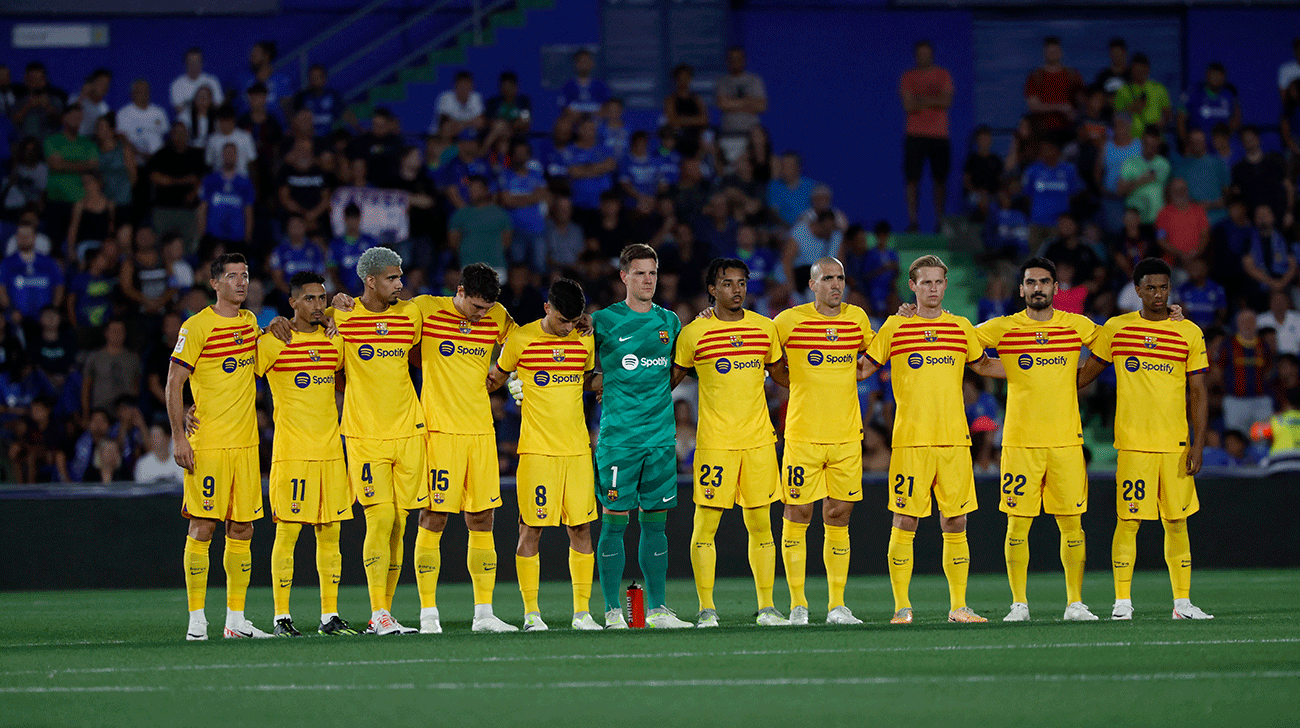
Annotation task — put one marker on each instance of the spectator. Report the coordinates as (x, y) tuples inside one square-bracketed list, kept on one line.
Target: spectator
[(1261, 178), (1052, 91), (304, 188), (91, 294), (1204, 301), (995, 302), (590, 166), (1050, 184), (509, 108), (39, 104), (69, 156), (157, 464), (24, 186), (1068, 247), (692, 190), (42, 458), (638, 174), (225, 214), (881, 268), (326, 104), (741, 97), (1182, 227), (759, 152), (525, 195), (1116, 75), (267, 134), (1091, 134), (1008, 230), (555, 152), (93, 217), (199, 117), (1289, 128), (144, 280), (875, 448), (684, 111), (142, 123), (810, 242), (157, 362), (1142, 179), (1230, 240), (92, 100), (110, 372), (1122, 146), (129, 432), (43, 244), (981, 175), (53, 351), (346, 250), (716, 227), (177, 171), (984, 418), (1215, 101), (467, 163), (564, 239), (926, 91), (87, 446), (1289, 71), (1223, 147), (1144, 97), (1271, 261), (180, 274), (614, 132), (1282, 317), (821, 201), (747, 194), (791, 193), (762, 261), (186, 86), (1287, 369), (460, 107), (29, 281), (421, 225), (256, 303), (117, 166), (379, 150), (670, 161), (1243, 363), (295, 255), (1206, 175), (480, 232), (227, 133), (582, 94), (261, 61)]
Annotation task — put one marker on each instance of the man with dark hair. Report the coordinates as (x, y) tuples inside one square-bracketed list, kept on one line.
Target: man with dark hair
[(261, 64), (1142, 178), (525, 195), (481, 232), (636, 456), (326, 104), (1144, 97), (92, 99), (176, 172), (582, 94), (1212, 102), (1052, 91), (1111, 78), (1260, 178), (735, 456), (741, 97), (345, 251), (380, 149), (458, 108), (554, 484), (926, 90), (225, 215), (225, 133), (215, 352), (509, 107), (188, 83), (39, 103), (1161, 360), (69, 156)]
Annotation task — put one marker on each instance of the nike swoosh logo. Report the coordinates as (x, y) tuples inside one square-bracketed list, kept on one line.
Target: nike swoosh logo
[(621, 339), (671, 497), (661, 553), (1189, 505), (854, 492), (593, 510), (196, 572), (249, 635), (1080, 504), (336, 581), (963, 505), (259, 510), (608, 556), (248, 567), (418, 500), (342, 512), (494, 500)]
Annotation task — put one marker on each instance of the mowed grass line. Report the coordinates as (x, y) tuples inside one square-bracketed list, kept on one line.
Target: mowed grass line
[(1242, 668)]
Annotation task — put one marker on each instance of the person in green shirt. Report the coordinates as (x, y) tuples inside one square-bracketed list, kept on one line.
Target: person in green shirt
[(481, 231), (69, 156), (1142, 179), (1144, 97)]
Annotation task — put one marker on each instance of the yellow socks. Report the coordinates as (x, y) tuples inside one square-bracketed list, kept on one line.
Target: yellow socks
[(529, 569), (581, 567), (196, 572), (1123, 551), (762, 552), (482, 562), (900, 565), (794, 554), (329, 566), (835, 554), (1178, 556), (956, 566), (428, 562), (704, 557), (1017, 552), (239, 569), (1073, 555), (396, 548), (286, 537), (375, 551)]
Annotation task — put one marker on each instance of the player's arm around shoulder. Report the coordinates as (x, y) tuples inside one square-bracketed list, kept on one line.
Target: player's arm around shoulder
[(976, 359), (1101, 356)]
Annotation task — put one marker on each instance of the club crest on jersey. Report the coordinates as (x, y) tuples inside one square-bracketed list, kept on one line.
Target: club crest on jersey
[(1011, 501), (1041, 338), (207, 505), (557, 354), (541, 513), (437, 497), (794, 492), (369, 490), (381, 328), (900, 502), (239, 338), (1149, 342), (611, 494), (663, 336), (464, 327), (313, 354), (1133, 507), (832, 335), (931, 336), (295, 507), (708, 492), (737, 340)]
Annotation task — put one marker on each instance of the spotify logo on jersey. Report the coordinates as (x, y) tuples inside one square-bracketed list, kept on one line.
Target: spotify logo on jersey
[(446, 348), (1026, 362), (302, 379), (366, 352), (722, 365), (815, 357), (1132, 364), (541, 379), (229, 365), (915, 360), (630, 362)]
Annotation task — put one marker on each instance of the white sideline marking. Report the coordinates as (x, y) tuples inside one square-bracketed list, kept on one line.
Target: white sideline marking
[(726, 683), (68, 644), (640, 656)]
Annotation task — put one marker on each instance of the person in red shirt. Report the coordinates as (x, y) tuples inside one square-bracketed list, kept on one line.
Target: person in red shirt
[(926, 92), (1182, 227), (1053, 91)]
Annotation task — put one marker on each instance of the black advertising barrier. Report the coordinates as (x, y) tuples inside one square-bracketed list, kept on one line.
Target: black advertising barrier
[(132, 536)]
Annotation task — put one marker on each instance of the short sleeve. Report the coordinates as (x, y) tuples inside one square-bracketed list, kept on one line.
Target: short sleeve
[(508, 361), (590, 343), (775, 352), (989, 334), (268, 351), (684, 355), (1101, 344), (418, 320), (974, 351), (507, 325), (1087, 330), (1197, 360), (878, 351), (189, 344)]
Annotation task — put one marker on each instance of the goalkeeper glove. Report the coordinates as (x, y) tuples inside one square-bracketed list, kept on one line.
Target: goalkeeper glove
[(516, 388)]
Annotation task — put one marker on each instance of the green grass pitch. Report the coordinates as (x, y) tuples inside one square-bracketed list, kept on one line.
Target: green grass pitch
[(110, 658)]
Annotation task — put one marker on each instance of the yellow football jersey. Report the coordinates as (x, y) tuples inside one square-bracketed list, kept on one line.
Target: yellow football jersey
[(379, 401), (301, 377), (730, 358), (220, 353), (928, 358), (1152, 361), (822, 352), (455, 355), (1042, 363), (552, 369)]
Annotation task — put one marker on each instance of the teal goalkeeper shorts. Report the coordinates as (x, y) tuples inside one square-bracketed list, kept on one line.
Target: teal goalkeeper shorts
[(628, 478)]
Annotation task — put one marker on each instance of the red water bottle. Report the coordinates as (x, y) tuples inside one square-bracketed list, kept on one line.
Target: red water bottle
[(635, 606)]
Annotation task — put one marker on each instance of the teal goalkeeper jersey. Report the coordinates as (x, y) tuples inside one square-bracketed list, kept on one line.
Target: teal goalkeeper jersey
[(635, 351)]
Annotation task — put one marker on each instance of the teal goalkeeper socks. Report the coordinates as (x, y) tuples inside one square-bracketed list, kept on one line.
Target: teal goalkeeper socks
[(611, 558), (653, 556)]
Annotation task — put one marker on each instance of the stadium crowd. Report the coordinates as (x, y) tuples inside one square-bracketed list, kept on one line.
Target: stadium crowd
[(107, 215)]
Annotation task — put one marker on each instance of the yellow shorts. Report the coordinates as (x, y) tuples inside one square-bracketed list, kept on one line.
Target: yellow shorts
[(813, 471), (1151, 485), (914, 471), (1050, 479), (464, 474), (554, 489), (311, 491), (725, 478), (388, 471), (226, 485)]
